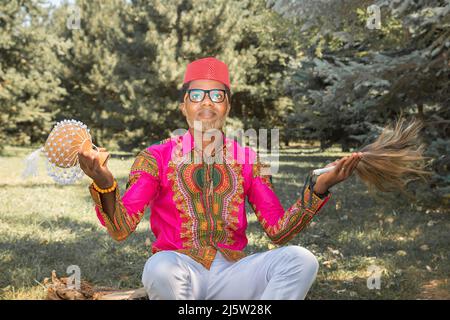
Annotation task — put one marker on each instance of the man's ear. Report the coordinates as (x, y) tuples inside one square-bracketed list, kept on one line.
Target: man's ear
[(183, 108), (228, 105)]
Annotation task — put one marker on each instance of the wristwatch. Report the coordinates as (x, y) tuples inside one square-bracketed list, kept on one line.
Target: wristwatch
[(322, 195)]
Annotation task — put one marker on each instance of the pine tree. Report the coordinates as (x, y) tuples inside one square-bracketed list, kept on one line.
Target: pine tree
[(123, 77), (95, 81), (29, 86), (353, 80)]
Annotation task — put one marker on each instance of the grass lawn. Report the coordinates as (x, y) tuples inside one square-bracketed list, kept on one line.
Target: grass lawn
[(45, 227)]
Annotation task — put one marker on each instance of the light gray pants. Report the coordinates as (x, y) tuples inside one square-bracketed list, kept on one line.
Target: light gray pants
[(283, 273)]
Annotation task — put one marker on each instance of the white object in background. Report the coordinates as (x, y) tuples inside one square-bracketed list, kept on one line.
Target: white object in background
[(31, 164)]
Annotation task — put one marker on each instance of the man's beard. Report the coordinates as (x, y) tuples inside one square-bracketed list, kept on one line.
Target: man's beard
[(208, 124)]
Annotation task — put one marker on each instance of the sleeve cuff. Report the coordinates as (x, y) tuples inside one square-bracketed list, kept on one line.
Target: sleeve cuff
[(101, 214), (317, 201)]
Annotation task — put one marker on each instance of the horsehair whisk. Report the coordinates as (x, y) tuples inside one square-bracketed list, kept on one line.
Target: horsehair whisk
[(393, 159)]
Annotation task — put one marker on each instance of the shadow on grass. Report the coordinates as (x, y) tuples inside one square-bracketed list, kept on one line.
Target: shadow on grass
[(102, 260), (31, 185), (385, 230)]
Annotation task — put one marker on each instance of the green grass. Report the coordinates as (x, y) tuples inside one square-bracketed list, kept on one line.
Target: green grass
[(45, 227)]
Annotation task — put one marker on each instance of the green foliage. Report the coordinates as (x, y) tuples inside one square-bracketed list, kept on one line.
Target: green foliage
[(29, 87), (311, 68), (124, 66), (353, 80)]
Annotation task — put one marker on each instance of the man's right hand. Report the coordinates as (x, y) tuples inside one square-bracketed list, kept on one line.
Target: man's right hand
[(90, 164)]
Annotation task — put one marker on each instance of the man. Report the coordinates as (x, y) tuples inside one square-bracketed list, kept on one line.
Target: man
[(198, 207)]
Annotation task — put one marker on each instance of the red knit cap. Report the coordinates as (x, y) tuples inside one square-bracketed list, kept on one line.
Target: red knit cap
[(207, 68)]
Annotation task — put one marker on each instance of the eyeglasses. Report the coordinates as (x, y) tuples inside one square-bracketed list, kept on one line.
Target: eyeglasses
[(197, 95)]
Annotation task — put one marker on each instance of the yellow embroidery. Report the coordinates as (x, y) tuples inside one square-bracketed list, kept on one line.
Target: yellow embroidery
[(293, 220), (146, 162)]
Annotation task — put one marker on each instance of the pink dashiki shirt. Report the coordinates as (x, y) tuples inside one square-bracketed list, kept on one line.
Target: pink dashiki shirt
[(199, 208)]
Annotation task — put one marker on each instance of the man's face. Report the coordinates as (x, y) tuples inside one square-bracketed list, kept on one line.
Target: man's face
[(212, 115)]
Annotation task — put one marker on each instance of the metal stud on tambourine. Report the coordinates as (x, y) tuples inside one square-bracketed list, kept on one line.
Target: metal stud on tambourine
[(61, 151)]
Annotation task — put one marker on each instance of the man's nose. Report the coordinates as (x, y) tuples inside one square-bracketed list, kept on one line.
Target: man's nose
[(207, 101)]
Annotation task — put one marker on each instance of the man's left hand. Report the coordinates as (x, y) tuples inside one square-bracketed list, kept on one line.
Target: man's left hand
[(344, 169)]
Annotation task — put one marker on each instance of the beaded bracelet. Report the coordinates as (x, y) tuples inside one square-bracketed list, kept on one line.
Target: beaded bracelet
[(96, 187)]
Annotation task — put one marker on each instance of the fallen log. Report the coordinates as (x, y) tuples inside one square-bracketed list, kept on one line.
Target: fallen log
[(58, 289)]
